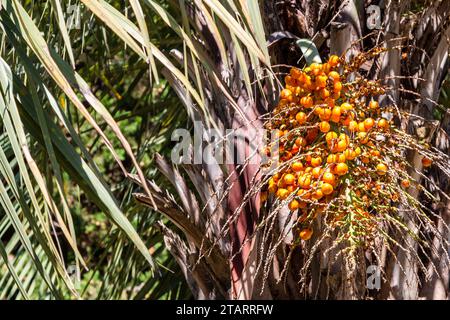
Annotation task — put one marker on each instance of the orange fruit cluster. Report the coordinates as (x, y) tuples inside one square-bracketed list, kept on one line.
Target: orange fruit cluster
[(327, 132)]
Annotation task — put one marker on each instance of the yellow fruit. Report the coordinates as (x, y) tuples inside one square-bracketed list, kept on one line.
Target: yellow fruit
[(317, 195), (336, 111), (316, 172), (304, 181), (301, 117), (381, 169), (307, 102), (289, 179), (346, 106), (331, 136), (317, 161), (328, 177), (363, 137), (383, 124), (334, 75), (340, 158), (341, 169), (306, 234), (324, 126), (353, 126), (285, 94), (297, 166), (327, 188), (373, 105), (294, 205), (337, 86), (341, 145), (333, 61), (332, 158), (368, 123), (361, 127), (350, 154), (282, 193)]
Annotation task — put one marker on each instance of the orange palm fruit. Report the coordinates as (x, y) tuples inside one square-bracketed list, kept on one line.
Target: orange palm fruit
[(341, 169), (324, 93), (318, 111), (331, 136), (326, 114), (317, 194), (350, 154), (297, 166), (336, 111), (321, 81), (381, 169), (333, 60), (324, 126), (337, 86), (353, 126), (285, 94), (306, 234), (316, 161), (363, 137), (330, 102), (327, 188), (328, 177), (340, 158), (282, 193), (316, 172), (368, 123), (300, 142), (294, 205), (426, 162), (332, 158), (373, 105), (296, 73), (289, 179), (304, 181), (341, 145), (361, 127), (300, 117), (383, 124), (334, 75), (405, 183), (306, 102)]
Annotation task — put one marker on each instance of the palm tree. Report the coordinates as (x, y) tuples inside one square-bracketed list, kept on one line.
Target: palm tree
[(223, 61)]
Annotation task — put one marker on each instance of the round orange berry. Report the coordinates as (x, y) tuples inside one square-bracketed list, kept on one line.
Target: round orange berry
[(426, 162), (306, 234), (324, 126), (341, 169), (327, 188), (381, 169)]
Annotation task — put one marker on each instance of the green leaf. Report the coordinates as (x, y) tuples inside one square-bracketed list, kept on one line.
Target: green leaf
[(309, 50)]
